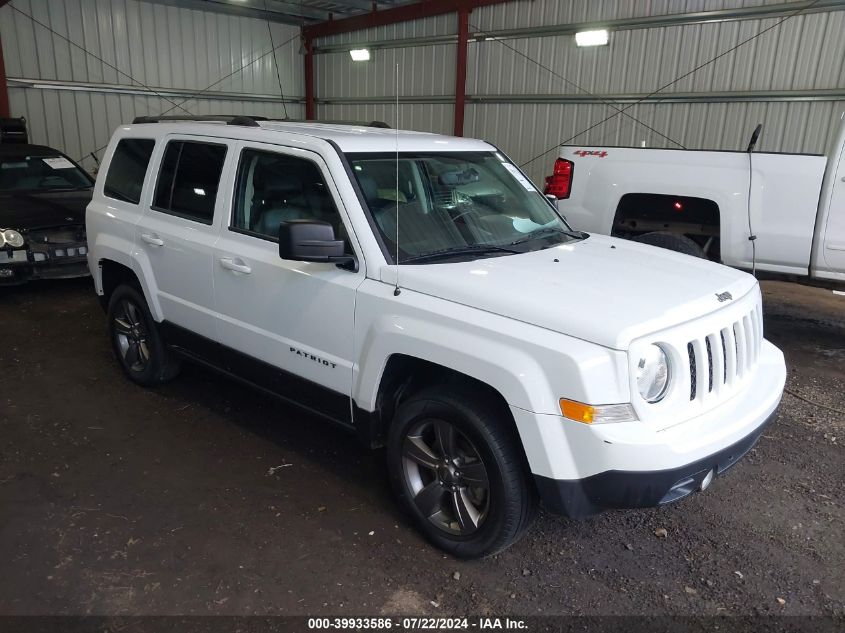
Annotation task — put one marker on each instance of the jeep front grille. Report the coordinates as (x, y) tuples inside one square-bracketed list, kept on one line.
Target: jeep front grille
[(724, 358)]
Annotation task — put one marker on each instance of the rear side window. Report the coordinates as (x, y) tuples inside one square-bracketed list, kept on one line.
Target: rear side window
[(189, 179), (127, 169)]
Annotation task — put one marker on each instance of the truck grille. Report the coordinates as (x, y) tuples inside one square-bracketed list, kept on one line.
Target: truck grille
[(723, 358)]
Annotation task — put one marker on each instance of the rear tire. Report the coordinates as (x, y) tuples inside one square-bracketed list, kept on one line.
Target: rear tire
[(457, 468), (136, 341), (672, 242)]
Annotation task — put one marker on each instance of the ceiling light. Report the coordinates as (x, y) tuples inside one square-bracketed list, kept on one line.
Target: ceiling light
[(592, 38), (360, 54)]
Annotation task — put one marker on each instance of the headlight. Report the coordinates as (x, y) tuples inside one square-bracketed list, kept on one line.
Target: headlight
[(12, 238), (653, 373)]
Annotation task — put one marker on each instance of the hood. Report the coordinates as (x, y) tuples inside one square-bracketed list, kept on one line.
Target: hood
[(602, 289), (32, 210)]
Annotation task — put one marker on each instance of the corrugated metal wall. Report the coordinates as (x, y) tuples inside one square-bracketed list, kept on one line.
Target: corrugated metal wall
[(160, 46), (187, 50), (805, 53), (423, 70)]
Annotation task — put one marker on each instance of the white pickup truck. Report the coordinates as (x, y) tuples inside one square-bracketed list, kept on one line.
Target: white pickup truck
[(781, 214), (420, 291)]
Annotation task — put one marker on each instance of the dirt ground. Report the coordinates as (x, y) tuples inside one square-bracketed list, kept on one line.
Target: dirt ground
[(204, 497)]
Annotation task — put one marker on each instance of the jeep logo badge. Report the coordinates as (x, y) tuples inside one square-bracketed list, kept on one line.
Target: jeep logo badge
[(723, 296)]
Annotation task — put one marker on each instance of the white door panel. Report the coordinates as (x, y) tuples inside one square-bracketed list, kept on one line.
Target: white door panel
[(179, 256), (178, 250), (296, 316)]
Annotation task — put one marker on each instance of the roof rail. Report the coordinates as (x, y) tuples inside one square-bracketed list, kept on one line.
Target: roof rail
[(229, 119), (381, 124), (250, 121)]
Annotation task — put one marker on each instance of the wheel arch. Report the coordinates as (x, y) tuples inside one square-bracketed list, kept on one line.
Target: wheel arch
[(698, 218), (113, 273), (404, 375)]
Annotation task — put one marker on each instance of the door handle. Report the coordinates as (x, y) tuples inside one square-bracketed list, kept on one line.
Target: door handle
[(152, 240), (230, 264)]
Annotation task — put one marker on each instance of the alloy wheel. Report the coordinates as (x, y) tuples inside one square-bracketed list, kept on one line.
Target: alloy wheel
[(446, 477), (132, 336)]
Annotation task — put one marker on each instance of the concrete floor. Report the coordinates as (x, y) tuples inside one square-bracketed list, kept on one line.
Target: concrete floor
[(119, 500)]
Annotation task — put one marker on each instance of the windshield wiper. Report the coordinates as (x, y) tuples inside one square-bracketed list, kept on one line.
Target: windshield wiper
[(475, 249), (550, 230)]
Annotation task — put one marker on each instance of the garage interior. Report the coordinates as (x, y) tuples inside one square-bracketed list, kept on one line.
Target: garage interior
[(204, 497)]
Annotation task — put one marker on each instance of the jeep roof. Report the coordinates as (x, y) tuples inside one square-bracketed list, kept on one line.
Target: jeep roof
[(348, 138)]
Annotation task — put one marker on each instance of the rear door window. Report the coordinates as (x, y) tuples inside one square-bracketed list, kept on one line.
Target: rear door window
[(189, 179), (128, 168)]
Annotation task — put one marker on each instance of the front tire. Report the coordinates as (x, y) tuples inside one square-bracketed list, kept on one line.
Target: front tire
[(136, 341), (457, 468)]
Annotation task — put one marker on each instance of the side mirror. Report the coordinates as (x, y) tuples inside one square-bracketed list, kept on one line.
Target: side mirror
[(313, 241)]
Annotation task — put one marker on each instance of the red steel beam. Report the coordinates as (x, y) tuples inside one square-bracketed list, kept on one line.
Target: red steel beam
[(309, 80), (398, 14), (461, 70), (4, 89)]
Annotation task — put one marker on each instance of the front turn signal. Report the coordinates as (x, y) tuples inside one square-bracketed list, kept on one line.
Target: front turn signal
[(577, 411), (600, 414)]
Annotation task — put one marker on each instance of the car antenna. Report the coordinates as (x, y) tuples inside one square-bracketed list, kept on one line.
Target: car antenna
[(397, 291), (751, 237)]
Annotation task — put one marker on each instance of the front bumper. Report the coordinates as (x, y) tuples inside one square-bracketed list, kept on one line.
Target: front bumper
[(632, 489), (582, 469), (23, 265)]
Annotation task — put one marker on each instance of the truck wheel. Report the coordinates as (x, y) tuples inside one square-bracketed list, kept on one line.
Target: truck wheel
[(457, 468), (673, 242), (136, 341)]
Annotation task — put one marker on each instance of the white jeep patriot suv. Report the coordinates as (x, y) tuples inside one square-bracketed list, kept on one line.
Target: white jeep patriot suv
[(419, 290)]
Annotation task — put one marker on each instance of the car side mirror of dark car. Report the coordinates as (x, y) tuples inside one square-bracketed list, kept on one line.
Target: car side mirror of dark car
[(313, 241)]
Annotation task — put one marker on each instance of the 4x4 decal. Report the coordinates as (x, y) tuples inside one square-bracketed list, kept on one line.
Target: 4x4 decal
[(601, 153)]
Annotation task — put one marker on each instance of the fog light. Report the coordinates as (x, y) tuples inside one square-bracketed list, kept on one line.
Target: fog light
[(708, 479)]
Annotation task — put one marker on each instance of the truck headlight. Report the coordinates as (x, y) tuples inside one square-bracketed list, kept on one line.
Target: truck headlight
[(12, 238), (652, 373)]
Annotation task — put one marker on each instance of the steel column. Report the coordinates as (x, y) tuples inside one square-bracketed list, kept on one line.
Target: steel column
[(309, 79), (4, 91), (461, 70)]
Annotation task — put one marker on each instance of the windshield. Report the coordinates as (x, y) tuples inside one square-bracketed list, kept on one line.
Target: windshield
[(455, 204), (40, 173)]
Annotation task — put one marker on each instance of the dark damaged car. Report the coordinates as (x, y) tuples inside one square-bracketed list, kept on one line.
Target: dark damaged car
[(43, 195)]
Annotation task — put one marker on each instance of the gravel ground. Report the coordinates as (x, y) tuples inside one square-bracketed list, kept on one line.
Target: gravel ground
[(204, 497)]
